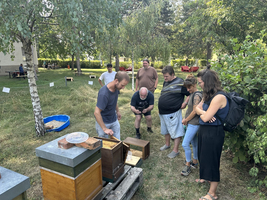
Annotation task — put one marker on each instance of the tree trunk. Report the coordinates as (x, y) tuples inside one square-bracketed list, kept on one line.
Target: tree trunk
[(72, 62), (186, 61), (209, 52), (133, 71), (37, 111), (78, 63), (117, 63)]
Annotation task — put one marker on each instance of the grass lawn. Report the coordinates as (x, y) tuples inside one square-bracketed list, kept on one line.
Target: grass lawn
[(162, 179)]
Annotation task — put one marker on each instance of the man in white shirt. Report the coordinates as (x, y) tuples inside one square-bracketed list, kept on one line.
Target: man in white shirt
[(107, 76)]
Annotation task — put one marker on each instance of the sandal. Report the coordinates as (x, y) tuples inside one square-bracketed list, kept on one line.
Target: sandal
[(212, 197), (201, 181)]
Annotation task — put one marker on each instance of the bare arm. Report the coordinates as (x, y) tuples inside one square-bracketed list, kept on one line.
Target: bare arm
[(156, 83), (185, 102), (218, 102), (136, 84), (100, 82), (118, 112), (99, 120), (193, 113)]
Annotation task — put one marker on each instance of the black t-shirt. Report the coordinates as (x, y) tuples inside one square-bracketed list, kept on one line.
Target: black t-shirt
[(171, 100), (137, 102)]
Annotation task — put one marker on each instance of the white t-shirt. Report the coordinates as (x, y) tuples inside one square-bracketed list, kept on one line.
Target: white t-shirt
[(108, 77)]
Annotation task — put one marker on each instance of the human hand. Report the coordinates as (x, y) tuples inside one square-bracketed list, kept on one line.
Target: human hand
[(137, 111), (118, 115), (183, 105), (108, 131), (213, 119), (144, 111), (184, 122)]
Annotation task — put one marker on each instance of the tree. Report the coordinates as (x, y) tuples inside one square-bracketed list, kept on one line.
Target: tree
[(24, 21)]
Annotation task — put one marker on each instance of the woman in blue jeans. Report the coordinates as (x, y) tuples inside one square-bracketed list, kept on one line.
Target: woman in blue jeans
[(192, 121)]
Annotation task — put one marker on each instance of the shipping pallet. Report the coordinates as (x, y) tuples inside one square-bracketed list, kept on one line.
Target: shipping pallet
[(125, 187)]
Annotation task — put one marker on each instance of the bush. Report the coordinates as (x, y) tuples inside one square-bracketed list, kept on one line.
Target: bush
[(245, 73), (89, 64)]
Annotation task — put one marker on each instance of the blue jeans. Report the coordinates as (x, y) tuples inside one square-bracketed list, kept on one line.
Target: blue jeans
[(115, 127), (190, 137)]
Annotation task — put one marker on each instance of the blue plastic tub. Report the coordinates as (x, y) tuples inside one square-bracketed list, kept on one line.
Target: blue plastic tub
[(61, 118)]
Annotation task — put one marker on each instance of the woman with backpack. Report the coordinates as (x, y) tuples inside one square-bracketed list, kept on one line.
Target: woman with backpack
[(191, 120), (210, 133)]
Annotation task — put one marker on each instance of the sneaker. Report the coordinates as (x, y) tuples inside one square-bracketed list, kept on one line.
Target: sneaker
[(173, 154), (138, 136), (192, 164), (164, 147), (149, 130), (186, 171)]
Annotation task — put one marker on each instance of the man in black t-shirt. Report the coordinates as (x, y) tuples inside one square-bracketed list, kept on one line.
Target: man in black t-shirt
[(141, 104), (171, 102)]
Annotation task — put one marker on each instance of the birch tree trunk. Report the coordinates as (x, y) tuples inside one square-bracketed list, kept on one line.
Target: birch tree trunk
[(133, 71), (37, 111), (209, 53)]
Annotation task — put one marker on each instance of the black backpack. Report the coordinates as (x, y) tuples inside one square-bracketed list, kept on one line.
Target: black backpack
[(236, 112)]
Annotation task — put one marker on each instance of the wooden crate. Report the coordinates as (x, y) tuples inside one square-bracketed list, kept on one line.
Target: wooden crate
[(144, 154), (62, 187), (112, 159)]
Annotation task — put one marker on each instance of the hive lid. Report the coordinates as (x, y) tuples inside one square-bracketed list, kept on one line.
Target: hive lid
[(70, 157)]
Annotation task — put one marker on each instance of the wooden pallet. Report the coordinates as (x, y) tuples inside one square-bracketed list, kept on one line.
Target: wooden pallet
[(125, 187)]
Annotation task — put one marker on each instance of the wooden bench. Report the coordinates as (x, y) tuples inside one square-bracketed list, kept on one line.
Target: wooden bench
[(144, 154)]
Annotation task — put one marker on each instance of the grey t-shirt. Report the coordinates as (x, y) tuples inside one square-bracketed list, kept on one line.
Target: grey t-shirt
[(107, 101), (191, 103)]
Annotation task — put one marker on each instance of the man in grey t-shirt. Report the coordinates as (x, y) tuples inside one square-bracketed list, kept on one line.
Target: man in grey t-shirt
[(107, 111)]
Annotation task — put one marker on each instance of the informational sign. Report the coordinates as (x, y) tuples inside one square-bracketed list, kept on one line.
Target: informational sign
[(6, 90), (52, 84), (90, 82)]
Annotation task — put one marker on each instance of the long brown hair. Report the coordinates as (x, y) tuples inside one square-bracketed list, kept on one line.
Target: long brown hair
[(212, 83)]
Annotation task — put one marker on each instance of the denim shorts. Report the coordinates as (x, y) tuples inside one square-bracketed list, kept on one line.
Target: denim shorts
[(172, 124)]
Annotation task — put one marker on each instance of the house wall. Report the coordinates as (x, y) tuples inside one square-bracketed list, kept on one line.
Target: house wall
[(7, 64)]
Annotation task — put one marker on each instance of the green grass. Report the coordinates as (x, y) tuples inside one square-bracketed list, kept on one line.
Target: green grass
[(162, 179)]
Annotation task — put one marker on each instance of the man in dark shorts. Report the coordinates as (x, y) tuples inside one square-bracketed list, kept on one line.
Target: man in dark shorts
[(141, 104), (107, 111)]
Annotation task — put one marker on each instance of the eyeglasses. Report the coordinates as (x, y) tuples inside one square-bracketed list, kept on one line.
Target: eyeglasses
[(199, 83)]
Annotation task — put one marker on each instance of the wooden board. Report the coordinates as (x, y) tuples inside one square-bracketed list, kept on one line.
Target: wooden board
[(133, 161), (129, 185), (136, 153)]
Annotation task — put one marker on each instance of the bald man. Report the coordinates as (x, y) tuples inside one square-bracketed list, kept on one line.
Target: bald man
[(141, 104)]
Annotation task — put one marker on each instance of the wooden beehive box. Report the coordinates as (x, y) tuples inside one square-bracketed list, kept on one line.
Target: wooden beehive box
[(112, 159), (74, 173)]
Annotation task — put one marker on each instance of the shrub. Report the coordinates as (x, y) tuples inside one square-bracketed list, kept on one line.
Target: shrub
[(92, 64), (245, 73)]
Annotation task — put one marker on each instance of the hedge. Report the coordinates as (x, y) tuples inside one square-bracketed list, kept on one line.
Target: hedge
[(91, 64), (95, 64)]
